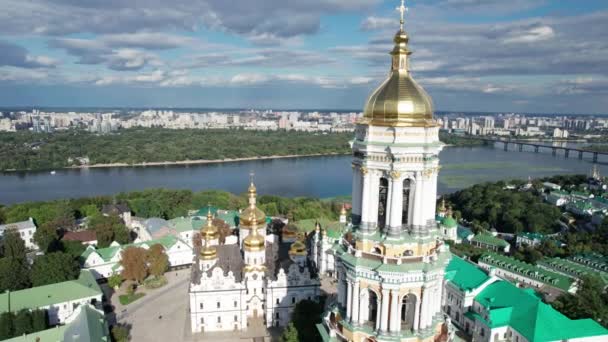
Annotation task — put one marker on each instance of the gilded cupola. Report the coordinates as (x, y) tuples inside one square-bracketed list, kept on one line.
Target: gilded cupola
[(254, 242), (399, 100), (297, 248), (210, 231), (252, 215), (208, 252)]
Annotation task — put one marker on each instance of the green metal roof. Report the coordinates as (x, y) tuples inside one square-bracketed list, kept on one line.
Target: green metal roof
[(88, 326), (527, 314), (573, 268), (528, 270), (464, 274), (35, 297), (463, 232), (489, 239), (108, 253)]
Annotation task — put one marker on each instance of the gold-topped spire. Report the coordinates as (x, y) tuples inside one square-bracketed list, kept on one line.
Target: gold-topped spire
[(210, 231), (402, 9), (399, 101), (252, 214)]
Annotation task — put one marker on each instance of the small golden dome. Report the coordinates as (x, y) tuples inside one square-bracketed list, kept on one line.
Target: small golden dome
[(210, 231), (297, 248), (252, 215), (254, 242), (208, 252), (289, 232), (399, 100)]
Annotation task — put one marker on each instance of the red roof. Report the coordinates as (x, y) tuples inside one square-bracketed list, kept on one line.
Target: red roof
[(83, 236)]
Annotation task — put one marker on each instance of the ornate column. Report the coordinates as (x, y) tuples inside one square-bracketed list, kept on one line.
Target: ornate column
[(349, 295), (424, 318), (396, 204), (365, 199), (395, 325), (378, 312), (356, 303), (389, 205), (356, 195), (385, 305), (418, 310), (418, 205)]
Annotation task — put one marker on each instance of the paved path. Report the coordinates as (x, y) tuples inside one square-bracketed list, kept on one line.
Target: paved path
[(171, 302)]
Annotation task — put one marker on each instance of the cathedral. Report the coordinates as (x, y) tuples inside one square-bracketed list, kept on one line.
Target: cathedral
[(254, 279), (390, 263)]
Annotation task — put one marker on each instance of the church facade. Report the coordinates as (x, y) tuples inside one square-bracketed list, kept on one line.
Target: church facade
[(254, 280)]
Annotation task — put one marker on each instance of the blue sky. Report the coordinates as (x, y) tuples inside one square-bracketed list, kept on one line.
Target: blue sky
[(471, 55)]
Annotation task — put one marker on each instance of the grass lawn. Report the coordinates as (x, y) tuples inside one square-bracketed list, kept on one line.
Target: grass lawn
[(127, 299)]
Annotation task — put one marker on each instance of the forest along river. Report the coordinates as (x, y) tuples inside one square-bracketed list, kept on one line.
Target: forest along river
[(306, 176)]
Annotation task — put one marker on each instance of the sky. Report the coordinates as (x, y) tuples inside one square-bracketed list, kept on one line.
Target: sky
[(535, 56)]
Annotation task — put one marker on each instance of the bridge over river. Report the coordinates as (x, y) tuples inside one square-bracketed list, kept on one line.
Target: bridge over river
[(563, 150)]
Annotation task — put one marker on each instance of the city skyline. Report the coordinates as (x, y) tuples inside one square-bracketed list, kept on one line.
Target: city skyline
[(524, 56)]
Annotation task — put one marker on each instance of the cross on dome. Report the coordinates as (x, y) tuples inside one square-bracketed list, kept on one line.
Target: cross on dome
[(402, 9)]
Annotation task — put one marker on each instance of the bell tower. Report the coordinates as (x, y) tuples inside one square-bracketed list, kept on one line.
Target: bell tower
[(391, 264)]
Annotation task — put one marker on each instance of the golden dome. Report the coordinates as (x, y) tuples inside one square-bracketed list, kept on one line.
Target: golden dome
[(343, 210), (208, 252), (210, 231), (399, 100), (252, 215), (289, 232), (297, 248), (254, 242)]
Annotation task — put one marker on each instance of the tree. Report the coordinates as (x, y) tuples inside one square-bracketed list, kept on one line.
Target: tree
[(134, 265), (23, 323), (305, 316), (158, 261), (590, 301), (89, 210), (290, 334), (6, 325), (109, 229), (54, 268), (46, 236), (114, 281), (120, 333), (14, 274), (39, 320), (73, 248), (13, 245)]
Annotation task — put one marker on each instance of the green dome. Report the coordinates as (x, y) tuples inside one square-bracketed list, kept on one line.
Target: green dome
[(449, 222)]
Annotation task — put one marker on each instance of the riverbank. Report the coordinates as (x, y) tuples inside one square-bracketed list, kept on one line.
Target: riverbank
[(206, 161), (187, 162)]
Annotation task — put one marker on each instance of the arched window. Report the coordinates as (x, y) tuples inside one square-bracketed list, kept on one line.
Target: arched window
[(408, 311), (373, 307), (407, 184), (382, 198)]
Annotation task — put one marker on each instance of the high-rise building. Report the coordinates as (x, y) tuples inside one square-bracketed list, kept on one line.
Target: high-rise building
[(390, 265)]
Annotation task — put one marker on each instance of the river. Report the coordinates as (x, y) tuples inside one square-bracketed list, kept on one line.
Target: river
[(308, 176)]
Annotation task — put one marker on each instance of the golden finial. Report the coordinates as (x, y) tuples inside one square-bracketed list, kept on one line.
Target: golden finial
[(402, 9)]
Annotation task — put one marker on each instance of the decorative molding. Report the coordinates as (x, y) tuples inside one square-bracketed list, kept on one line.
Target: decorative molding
[(364, 170), (395, 175)]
